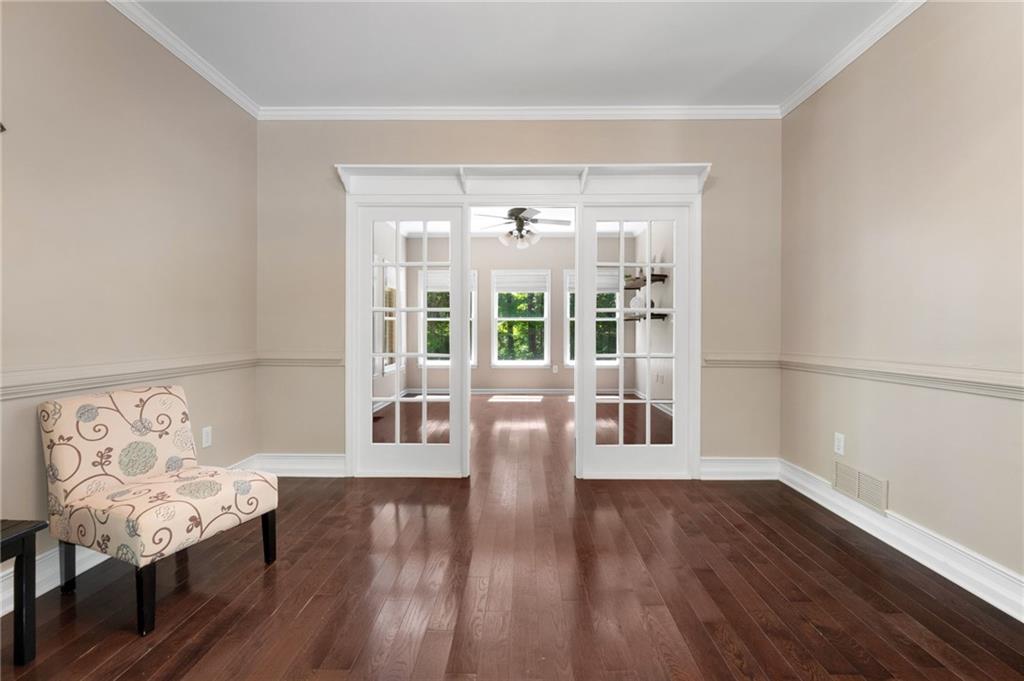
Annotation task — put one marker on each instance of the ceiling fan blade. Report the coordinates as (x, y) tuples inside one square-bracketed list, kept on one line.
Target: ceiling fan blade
[(500, 224), (528, 214), (545, 221), (496, 217)]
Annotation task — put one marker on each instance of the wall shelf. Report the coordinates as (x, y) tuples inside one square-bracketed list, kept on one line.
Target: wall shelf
[(637, 283), (639, 316)]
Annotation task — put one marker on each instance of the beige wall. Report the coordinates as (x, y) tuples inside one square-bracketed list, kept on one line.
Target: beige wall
[(902, 244), (302, 250), (129, 225)]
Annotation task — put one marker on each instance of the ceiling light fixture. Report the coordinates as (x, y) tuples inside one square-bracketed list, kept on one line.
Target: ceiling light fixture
[(521, 236)]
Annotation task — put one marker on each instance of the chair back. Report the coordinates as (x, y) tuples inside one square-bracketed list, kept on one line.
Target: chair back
[(97, 442)]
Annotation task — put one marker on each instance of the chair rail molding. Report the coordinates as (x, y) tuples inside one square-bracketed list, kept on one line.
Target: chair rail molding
[(987, 382), (741, 360), (46, 381), (301, 358)]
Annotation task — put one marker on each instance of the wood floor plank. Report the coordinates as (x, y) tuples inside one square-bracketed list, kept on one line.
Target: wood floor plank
[(523, 573)]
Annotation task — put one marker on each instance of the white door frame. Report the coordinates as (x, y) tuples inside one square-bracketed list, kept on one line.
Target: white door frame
[(581, 185)]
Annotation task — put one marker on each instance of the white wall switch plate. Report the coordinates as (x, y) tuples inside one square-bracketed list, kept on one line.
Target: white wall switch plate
[(207, 434), (554, 368), (839, 443)]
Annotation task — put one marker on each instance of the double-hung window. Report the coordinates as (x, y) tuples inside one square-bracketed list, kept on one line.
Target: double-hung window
[(605, 327), (521, 309), (435, 296)]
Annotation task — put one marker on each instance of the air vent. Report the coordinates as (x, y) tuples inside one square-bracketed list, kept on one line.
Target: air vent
[(864, 488)]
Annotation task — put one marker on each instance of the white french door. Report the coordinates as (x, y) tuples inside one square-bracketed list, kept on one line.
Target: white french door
[(409, 364), (636, 379)]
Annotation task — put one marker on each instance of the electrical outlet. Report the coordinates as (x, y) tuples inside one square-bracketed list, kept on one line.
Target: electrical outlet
[(207, 436), (839, 444), (554, 368)]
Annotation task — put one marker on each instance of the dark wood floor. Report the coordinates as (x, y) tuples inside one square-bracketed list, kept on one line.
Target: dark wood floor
[(524, 573)]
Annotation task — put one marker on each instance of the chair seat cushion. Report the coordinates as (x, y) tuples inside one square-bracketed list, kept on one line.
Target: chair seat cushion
[(155, 516)]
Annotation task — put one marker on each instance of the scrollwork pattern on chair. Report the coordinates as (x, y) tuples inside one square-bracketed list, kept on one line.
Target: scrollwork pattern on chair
[(123, 476)]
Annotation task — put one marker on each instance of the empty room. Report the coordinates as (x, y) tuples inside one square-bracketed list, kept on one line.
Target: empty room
[(511, 341)]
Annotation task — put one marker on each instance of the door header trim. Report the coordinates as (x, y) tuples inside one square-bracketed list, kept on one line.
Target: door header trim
[(525, 180)]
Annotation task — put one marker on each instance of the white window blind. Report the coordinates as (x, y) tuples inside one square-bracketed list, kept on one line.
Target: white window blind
[(607, 280), (516, 281), (440, 280)]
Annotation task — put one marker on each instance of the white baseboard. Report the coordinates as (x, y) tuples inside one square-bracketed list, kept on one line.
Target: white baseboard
[(986, 579), (996, 584), (739, 468), (47, 573), (297, 465), (283, 465)]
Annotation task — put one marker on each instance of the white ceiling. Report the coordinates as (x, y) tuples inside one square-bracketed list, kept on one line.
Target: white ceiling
[(497, 54)]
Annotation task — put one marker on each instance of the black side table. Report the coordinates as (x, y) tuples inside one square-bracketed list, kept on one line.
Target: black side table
[(18, 541)]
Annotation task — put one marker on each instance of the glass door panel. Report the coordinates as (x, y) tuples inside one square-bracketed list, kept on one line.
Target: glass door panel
[(632, 263), (414, 361)]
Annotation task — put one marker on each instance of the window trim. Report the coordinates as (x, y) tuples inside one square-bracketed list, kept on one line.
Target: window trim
[(567, 277), (495, 320)]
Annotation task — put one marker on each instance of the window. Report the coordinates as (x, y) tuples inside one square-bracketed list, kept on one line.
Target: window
[(606, 329), (385, 295), (435, 294), (519, 334)]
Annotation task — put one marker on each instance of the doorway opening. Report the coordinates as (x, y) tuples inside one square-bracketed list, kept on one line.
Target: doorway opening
[(522, 259)]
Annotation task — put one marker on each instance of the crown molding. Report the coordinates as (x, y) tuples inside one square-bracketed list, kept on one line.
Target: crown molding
[(516, 113), (858, 46), (141, 17)]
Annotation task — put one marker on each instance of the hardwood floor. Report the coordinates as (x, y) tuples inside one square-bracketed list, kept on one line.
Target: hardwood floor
[(524, 573)]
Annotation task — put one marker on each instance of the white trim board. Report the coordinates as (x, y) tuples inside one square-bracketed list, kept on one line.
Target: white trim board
[(986, 579), (142, 18), (47, 573), (858, 46), (993, 583), (739, 468), (282, 465), (519, 113), (48, 381), (987, 382), (297, 465)]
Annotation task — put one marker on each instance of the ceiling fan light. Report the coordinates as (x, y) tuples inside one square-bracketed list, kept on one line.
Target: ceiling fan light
[(533, 238), (522, 243), (504, 239)]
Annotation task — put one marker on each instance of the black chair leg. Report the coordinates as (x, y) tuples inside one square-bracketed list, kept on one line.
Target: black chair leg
[(269, 520), (66, 552), (145, 598)]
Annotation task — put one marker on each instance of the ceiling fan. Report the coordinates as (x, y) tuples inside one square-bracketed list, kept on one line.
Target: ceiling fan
[(521, 235)]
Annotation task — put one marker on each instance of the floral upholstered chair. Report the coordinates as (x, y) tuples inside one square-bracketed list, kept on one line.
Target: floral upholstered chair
[(124, 480)]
